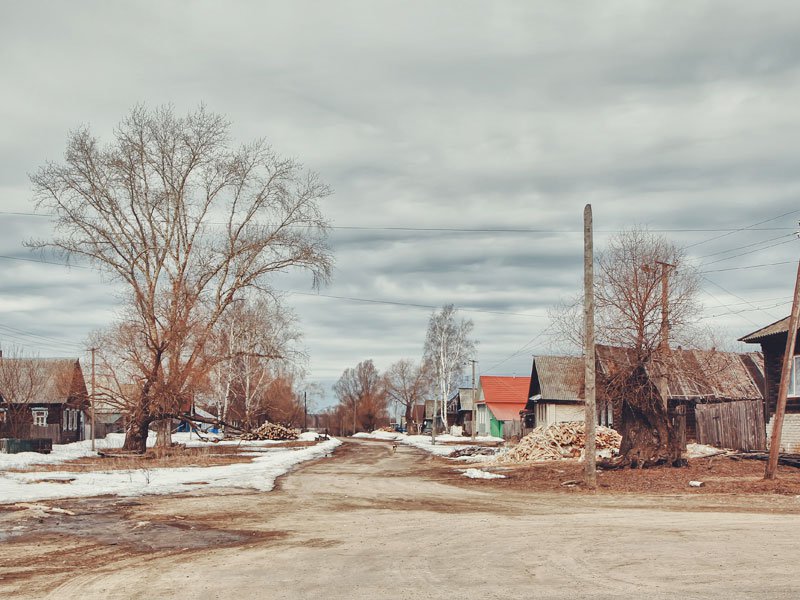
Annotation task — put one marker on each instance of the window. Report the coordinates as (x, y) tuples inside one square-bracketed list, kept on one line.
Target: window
[(794, 381), (3, 415), (39, 417)]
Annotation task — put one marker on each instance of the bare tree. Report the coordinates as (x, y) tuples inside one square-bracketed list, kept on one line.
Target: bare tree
[(362, 394), (253, 344), (189, 224), (408, 384), (448, 348), (628, 298), (22, 381)]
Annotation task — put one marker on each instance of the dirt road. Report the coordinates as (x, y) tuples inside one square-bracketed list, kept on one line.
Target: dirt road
[(373, 523)]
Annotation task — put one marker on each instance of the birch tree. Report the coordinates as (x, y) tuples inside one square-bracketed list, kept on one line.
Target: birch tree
[(188, 223), (448, 348)]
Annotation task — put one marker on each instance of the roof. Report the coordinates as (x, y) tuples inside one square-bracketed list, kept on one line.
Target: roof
[(506, 411), (775, 328), (558, 378), (41, 380), (504, 389), (709, 374)]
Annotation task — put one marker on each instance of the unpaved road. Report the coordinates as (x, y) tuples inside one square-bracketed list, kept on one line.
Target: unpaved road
[(372, 523)]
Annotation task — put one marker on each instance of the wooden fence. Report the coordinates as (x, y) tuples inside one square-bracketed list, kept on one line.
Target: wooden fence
[(738, 425)]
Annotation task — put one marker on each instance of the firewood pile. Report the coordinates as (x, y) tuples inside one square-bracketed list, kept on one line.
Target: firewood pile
[(559, 441), (271, 431)]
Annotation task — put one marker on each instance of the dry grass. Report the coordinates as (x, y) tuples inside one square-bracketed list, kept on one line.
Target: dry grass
[(720, 475), (160, 458)]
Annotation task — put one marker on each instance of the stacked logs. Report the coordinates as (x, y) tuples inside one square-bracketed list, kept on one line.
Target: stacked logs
[(271, 431), (559, 441)]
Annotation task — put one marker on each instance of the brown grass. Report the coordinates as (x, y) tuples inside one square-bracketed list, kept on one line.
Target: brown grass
[(159, 458), (720, 475)]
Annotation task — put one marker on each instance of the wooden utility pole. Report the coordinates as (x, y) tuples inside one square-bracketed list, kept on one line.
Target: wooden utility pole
[(663, 345), (474, 411), (305, 411), (92, 403), (590, 452), (783, 389), (664, 342)]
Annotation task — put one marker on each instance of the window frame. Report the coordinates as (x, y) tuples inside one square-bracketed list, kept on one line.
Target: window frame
[(39, 414)]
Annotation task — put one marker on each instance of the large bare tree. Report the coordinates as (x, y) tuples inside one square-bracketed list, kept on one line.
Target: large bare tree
[(629, 298), (408, 384), (448, 348), (189, 223), (362, 395)]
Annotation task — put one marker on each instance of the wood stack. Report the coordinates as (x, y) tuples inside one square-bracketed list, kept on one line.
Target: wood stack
[(271, 431), (559, 441)]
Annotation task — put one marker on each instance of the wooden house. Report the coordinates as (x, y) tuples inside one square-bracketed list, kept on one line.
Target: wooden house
[(500, 402), (772, 340), (717, 395), (43, 398)]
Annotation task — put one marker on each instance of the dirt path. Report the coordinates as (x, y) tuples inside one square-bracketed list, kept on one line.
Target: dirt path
[(372, 523)]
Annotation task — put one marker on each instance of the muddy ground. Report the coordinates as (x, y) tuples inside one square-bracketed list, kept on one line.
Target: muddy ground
[(373, 522)]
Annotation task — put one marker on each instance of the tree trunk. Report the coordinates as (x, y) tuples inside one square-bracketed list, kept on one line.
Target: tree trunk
[(136, 435), (164, 433), (649, 436)]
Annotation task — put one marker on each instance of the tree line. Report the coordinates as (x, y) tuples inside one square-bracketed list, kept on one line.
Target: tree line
[(365, 395)]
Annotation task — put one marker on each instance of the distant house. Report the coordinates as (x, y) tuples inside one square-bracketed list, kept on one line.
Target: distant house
[(772, 339), (717, 396), (557, 393), (461, 409), (500, 400), (43, 398)]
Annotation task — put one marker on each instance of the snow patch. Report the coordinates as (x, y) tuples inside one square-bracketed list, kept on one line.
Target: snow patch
[(478, 474), (444, 443), (260, 474)]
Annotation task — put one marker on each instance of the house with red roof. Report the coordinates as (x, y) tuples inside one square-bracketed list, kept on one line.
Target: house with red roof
[(499, 402)]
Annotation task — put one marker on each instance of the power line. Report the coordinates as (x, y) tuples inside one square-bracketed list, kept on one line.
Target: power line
[(413, 305), (727, 291), (746, 246), (785, 262), (44, 262), (521, 350), (748, 252), (748, 228), (489, 229), (42, 337)]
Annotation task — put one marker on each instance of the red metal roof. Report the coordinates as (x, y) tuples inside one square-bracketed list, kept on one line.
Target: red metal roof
[(505, 396), (505, 389)]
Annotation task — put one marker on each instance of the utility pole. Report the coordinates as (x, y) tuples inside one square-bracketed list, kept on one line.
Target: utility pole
[(433, 423), (93, 349), (474, 409), (664, 343), (783, 388), (590, 415), (305, 411)]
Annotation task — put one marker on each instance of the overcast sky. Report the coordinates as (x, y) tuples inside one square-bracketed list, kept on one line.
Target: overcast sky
[(467, 115)]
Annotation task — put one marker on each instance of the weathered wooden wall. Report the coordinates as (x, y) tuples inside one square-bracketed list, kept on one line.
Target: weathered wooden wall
[(738, 425)]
